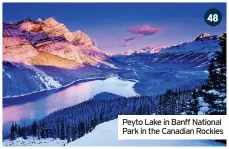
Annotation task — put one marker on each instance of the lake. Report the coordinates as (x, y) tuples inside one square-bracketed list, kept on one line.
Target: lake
[(42, 105)]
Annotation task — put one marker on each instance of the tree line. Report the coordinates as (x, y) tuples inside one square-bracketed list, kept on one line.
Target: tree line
[(76, 121)]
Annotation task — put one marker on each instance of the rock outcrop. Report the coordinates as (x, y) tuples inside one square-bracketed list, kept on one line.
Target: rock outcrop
[(26, 38)]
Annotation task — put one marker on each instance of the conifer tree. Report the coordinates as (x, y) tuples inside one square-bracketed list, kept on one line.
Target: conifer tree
[(16, 130), (213, 92), (24, 135), (34, 128), (12, 132), (62, 132), (216, 95), (191, 107), (19, 131), (81, 128)]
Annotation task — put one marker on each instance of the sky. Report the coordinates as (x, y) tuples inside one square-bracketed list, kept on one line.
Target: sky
[(119, 27)]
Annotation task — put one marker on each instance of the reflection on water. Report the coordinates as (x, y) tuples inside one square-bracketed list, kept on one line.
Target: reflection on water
[(27, 112)]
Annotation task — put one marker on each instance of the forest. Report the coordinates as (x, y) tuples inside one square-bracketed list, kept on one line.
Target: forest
[(76, 121)]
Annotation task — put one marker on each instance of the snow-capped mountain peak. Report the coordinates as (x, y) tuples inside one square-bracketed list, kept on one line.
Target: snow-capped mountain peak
[(206, 36), (147, 49), (203, 43), (39, 20)]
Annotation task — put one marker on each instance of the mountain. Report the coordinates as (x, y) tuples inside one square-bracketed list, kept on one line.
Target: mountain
[(181, 66), (148, 49), (51, 37), (47, 55), (197, 51), (210, 98)]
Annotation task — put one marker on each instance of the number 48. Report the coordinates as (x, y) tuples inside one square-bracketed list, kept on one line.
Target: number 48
[(213, 18)]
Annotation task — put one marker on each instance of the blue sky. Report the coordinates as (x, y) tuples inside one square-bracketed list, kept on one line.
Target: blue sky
[(109, 24)]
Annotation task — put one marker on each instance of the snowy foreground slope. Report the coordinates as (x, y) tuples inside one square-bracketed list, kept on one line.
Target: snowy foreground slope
[(34, 142), (106, 134)]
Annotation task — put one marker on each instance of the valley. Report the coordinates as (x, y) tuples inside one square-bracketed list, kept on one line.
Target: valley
[(50, 72)]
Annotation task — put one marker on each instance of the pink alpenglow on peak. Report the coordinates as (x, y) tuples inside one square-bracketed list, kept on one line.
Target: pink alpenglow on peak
[(145, 30), (203, 35), (32, 42), (39, 20)]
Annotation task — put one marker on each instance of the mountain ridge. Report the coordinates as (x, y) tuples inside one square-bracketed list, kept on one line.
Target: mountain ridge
[(204, 37), (48, 56), (51, 37)]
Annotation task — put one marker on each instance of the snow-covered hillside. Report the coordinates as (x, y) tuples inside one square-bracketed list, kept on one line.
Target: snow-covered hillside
[(40, 78), (106, 134), (201, 44), (33, 141), (198, 51), (181, 66)]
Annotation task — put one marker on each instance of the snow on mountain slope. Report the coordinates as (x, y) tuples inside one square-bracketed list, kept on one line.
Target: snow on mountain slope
[(106, 134), (18, 76), (202, 43), (148, 49), (48, 81), (180, 66), (35, 78), (106, 63), (19, 79), (196, 53)]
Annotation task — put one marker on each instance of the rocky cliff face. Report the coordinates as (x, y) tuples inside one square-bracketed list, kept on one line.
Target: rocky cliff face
[(26, 38), (43, 55), (16, 47)]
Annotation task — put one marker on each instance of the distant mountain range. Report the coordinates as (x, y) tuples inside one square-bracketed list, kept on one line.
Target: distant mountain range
[(40, 55), (205, 37), (148, 49)]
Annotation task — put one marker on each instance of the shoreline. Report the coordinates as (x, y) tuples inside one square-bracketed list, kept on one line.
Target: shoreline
[(7, 100), (62, 87)]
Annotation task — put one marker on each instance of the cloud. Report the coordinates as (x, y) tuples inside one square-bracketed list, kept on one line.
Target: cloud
[(144, 30), (127, 39)]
